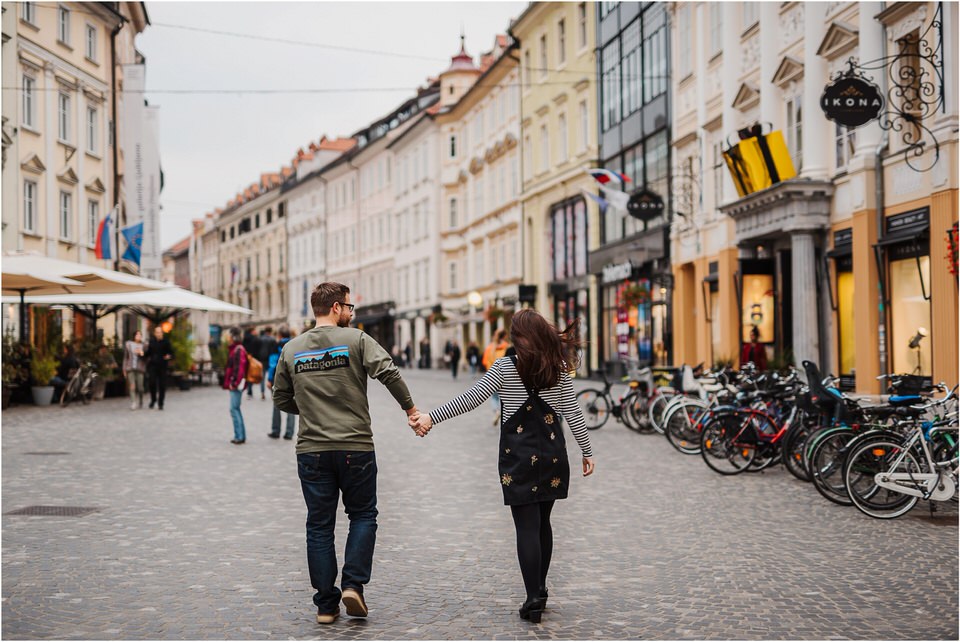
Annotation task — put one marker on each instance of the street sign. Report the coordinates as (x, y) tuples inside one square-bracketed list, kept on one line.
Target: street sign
[(851, 101), (645, 204)]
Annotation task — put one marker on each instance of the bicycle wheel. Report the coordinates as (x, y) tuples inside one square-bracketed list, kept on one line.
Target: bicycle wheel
[(627, 416), (767, 455), (656, 411), (872, 456), (792, 450), (595, 408), (826, 465), (728, 443), (71, 390), (681, 425)]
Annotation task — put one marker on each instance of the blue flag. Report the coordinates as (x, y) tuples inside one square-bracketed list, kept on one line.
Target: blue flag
[(602, 202), (134, 237)]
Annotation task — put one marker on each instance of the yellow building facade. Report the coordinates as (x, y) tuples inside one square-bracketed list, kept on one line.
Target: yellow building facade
[(558, 111)]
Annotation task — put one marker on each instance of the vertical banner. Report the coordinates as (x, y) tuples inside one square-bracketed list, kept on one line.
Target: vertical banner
[(141, 167)]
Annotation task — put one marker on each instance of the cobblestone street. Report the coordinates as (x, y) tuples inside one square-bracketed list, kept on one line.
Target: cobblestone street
[(198, 538)]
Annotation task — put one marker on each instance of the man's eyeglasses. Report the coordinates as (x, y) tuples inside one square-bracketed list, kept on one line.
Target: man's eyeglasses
[(349, 306)]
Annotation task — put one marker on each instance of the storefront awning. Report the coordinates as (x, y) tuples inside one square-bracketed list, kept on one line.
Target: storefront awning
[(919, 232)]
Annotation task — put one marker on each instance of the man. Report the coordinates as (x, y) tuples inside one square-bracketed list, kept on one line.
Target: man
[(158, 354), (322, 376), (454, 358), (268, 346), (66, 368), (272, 362), (251, 343)]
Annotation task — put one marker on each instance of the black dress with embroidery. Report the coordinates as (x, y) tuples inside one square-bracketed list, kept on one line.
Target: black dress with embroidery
[(533, 455)]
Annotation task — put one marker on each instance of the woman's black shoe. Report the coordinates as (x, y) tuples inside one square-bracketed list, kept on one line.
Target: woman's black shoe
[(532, 610), (543, 596), (238, 441)]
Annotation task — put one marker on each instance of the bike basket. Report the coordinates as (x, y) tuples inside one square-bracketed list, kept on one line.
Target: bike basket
[(911, 385)]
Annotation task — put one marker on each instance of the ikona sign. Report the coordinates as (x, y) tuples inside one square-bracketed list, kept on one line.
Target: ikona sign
[(851, 102)]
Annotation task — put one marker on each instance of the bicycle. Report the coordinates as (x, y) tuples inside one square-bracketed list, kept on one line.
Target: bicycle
[(597, 405), (80, 386)]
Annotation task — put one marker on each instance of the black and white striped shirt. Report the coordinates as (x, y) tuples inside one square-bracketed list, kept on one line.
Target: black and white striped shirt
[(504, 379)]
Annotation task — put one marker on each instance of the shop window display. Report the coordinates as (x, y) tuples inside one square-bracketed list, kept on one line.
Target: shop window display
[(910, 316)]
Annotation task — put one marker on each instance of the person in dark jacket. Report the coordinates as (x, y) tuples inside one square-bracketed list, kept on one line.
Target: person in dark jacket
[(454, 358), (158, 354), (272, 361), (473, 357), (234, 380), (251, 343), (268, 345)]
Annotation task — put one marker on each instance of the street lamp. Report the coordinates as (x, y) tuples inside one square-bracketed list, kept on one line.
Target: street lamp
[(475, 299)]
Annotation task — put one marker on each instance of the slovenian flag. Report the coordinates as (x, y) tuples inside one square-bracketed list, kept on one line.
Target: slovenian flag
[(604, 176), (104, 247)]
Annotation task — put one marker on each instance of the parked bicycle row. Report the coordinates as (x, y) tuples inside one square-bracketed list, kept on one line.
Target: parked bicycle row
[(882, 458)]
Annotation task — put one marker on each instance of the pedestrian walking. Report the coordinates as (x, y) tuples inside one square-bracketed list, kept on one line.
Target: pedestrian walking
[(473, 357), (408, 355), (235, 380), (496, 349), (134, 366), (158, 354), (268, 345), (251, 343), (454, 358), (272, 362), (424, 353), (322, 376), (536, 393)]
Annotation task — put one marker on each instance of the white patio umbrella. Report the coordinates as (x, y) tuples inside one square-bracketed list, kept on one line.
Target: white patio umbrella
[(21, 283)]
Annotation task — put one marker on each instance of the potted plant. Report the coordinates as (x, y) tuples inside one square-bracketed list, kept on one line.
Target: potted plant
[(218, 357), (183, 347), (43, 367), (635, 294)]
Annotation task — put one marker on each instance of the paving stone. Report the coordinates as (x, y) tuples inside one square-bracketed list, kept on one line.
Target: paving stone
[(201, 539)]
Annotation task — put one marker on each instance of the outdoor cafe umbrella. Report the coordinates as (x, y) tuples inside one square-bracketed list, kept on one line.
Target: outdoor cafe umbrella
[(56, 276)]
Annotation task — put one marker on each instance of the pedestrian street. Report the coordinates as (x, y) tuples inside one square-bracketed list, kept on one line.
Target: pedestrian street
[(195, 538)]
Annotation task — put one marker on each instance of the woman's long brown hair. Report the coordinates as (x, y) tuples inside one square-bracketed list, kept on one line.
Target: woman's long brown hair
[(544, 352)]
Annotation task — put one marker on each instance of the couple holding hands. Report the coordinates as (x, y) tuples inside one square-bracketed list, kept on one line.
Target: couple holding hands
[(322, 376)]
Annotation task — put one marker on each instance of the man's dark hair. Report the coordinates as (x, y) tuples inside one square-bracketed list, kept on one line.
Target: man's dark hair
[(236, 333), (325, 295), (268, 330), (284, 331)]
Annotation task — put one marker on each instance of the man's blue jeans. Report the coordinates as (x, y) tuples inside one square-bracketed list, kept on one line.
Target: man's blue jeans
[(275, 425), (323, 476), (239, 430)]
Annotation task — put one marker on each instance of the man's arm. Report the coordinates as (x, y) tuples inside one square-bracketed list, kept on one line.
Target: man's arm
[(380, 366), (283, 389)]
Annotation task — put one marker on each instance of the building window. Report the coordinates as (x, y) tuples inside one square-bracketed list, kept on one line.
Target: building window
[(63, 25), (28, 13), (562, 42), (795, 130), (526, 69), (453, 213), (749, 14), (718, 173), (584, 126), (29, 206), (568, 239), (562, 125), (91, 42), (845, 145), (453, 276), (29, 102), (581, 25), (281, 209), (66, 207), (269, 216), (543, 55), (93, 221), (544, 149), (630, 68), (716, 28), (610, 82), (63, 117), (654, 55), (92, 130), (910, 311)]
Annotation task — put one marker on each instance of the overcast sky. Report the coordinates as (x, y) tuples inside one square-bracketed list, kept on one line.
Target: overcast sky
[(213, 145)]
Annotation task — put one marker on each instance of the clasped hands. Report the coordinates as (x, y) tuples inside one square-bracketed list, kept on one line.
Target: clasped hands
[(419, 422)]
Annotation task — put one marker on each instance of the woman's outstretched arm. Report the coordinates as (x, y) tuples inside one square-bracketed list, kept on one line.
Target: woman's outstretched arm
[(488, 384)]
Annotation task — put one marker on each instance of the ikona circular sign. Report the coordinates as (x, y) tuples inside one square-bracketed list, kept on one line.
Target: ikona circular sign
[(645, 204), (851, 101)]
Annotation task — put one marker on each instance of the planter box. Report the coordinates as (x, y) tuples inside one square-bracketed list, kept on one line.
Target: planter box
[(42, 395)]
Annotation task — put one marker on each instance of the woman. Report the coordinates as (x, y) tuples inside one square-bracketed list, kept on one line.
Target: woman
[(235, 380), (134, 365), (754, 351), (535, 393)]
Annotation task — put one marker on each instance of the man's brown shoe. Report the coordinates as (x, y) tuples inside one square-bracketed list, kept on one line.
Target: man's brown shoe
[(353, 600), (328, 618)]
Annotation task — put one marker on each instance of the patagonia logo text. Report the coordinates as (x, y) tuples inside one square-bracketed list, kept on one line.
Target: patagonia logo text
[(321, 360)]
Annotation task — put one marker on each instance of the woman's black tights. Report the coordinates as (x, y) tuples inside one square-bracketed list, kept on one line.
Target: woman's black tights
[(534, 544)]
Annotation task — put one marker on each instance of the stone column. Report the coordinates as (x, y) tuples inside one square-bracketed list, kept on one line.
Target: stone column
[(817, 130), (771, 98), (52, 202), (730, 72), (806, 335), (871, 48)]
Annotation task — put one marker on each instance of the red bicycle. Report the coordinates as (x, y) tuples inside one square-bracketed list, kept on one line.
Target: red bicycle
[(747, 438)]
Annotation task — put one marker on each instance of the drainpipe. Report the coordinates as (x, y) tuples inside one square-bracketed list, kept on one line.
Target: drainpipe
[(879, 196), (116, 144)]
